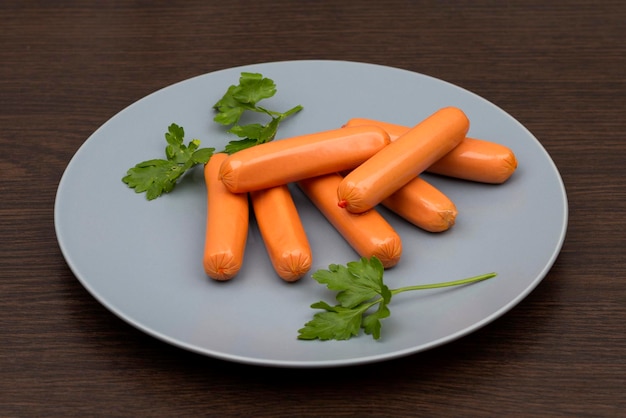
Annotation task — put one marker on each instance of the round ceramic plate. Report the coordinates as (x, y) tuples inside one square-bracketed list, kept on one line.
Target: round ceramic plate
[(142, 259)]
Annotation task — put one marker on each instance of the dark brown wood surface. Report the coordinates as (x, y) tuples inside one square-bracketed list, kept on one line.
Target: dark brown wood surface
[(559, 67)]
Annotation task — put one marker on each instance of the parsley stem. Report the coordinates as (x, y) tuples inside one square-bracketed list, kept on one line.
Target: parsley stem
[(278, 115), (444, 284), (291, 111), (365, 306)]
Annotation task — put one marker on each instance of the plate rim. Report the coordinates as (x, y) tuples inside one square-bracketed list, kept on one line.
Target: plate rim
[(316, 363)]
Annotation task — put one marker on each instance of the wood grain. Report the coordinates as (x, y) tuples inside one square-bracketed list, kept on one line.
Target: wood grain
[(558, 67)]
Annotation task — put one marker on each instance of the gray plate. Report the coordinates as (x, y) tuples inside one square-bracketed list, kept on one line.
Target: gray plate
[(142, 260)]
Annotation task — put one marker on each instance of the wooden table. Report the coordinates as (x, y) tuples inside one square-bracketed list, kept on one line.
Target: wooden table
[(557, 67)]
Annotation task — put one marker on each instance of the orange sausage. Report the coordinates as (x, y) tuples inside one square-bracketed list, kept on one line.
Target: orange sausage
[(282, 231), (369, 234), (402, 160), (226, 225), (473, 159), (283, 161), (423, 205)]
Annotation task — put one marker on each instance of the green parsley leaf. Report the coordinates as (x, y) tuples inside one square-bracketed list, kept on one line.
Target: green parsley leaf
[(202, 155), (245, 96), (336, 323), (372, 324), (359, 286), (251, 131), (159, 176), (229, 109), (234, 146), (355, 283), (253, 88)]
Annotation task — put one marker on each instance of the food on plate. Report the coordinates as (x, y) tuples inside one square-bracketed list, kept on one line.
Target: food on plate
[(282, 231), (422, 204), (244, 98), (158, 176), (226, 225), (360, 287), (473, 159), (345, 172), (369, 234), (288, 160), (402, 160)]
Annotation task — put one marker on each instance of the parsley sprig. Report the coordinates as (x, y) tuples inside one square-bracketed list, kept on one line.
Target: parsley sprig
[(159, 176), (360, 288), (245, 96)]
